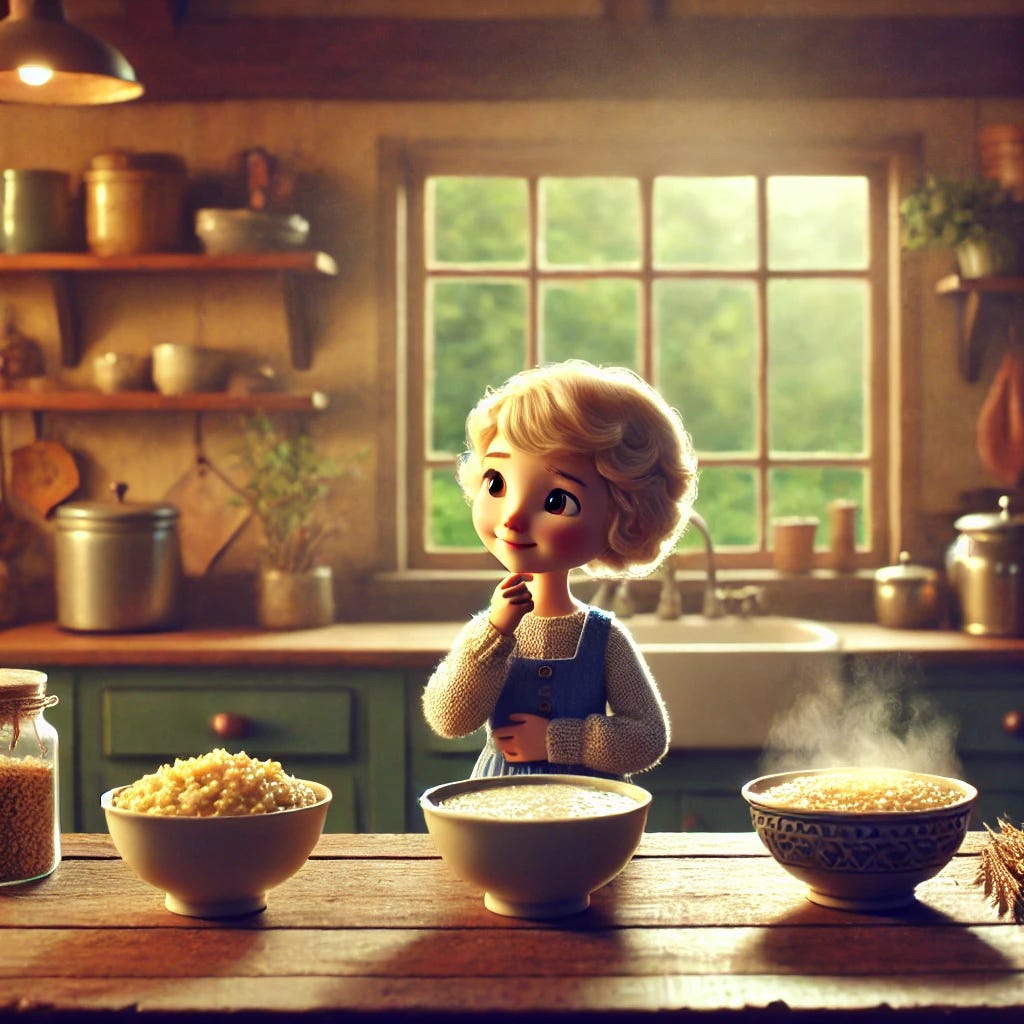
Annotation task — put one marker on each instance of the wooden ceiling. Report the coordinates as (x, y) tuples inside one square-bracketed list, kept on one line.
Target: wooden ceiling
[(625, 48)]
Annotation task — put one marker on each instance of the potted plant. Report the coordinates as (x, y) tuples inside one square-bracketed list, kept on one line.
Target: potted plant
[(976, 219), (287, 485)]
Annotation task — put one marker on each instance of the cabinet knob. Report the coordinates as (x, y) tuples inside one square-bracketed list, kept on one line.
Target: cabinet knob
[(226, 725), (1013, 723)]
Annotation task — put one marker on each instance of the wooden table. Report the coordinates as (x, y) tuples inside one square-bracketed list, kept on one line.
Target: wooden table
[(376, 928)]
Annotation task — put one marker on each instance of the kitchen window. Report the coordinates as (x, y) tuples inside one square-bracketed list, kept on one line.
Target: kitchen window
[(749, 287)]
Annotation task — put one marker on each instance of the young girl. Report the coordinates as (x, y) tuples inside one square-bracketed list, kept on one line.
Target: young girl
[(568, 465)]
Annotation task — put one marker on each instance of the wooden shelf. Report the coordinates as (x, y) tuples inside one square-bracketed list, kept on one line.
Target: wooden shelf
[(151, 401), (994, 299), (61, 268)]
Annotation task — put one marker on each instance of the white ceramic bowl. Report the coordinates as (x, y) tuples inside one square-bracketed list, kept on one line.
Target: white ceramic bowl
[(185, 369), (219, 866), (538, 867), (860, 860), (222, 231)]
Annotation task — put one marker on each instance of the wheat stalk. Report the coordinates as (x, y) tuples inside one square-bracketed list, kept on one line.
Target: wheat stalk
[(1001, 870)]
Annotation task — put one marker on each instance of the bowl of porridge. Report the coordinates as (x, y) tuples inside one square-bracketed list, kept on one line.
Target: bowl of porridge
[(860, 838), (537, 845), (216, 833)]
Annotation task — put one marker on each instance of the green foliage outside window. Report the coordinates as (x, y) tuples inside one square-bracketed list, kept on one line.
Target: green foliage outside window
[(586, 269)]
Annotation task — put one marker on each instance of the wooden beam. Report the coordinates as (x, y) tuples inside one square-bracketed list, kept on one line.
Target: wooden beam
[(699, 57)]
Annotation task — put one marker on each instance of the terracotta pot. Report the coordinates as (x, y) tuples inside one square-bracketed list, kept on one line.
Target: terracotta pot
[(1001, 147), (295, 600)]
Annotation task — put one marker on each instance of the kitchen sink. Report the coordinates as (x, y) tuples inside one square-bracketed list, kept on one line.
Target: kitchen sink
[(726, 680)]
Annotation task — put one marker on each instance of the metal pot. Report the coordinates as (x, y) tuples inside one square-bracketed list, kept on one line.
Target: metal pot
[(908, 596), (118, 566), (986, 570)]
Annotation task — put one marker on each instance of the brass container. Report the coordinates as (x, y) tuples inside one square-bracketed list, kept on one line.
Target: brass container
[(985, 565), (909, 596)]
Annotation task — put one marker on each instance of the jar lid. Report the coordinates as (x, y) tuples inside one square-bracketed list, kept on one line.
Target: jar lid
[(906, 572), (991, 522), (19, 683)]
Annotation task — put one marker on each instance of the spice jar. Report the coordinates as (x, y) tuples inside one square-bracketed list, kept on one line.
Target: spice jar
[(29, 825)]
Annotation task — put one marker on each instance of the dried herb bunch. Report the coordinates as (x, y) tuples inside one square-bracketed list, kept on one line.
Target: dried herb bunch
[(287, 487), (1001, 870)]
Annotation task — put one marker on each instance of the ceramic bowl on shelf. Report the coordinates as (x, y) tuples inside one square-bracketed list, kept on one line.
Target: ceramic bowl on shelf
[(120, 371), (223, 231), (860, 838), (186, 369), (219, 865), (538, 845)]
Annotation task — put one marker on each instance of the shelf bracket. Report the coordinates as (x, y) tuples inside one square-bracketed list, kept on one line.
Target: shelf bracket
[(62, 291), (969, 341), (297, 320)]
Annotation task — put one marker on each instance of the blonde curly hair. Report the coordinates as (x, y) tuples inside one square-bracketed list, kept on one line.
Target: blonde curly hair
[(611, 415)]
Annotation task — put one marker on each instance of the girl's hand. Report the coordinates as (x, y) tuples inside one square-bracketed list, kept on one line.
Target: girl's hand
[(525, 740), (510, 601)]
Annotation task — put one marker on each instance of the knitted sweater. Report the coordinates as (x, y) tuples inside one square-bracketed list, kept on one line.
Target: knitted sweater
[(461, 694)]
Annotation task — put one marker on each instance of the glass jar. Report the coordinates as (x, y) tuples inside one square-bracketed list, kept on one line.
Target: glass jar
[(29, 823)]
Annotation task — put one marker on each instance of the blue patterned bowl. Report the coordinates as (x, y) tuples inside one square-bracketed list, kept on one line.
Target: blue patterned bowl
[(859, 859)]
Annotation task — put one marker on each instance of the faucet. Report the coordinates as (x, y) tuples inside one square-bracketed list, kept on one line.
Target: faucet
[(712, 606)]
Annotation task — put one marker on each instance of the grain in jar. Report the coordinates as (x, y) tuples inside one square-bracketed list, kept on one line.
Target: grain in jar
[(29, 823)]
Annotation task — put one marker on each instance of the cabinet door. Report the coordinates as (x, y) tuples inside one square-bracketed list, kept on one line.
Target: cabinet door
[(976, 703), (345, 730)]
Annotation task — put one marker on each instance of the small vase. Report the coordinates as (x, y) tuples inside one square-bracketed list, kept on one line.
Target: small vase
[(295, 600)]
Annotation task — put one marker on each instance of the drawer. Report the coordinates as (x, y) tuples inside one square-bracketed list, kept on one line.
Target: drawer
[(176, 722)]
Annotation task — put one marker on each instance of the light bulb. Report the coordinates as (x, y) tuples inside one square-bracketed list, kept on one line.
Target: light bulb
[(35, 74)]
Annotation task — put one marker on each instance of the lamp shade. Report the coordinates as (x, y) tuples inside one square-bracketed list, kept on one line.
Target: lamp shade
[(72, 67)]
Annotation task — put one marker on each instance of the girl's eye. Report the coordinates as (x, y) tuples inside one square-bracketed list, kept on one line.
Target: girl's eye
[(495, 483), (562, 503)]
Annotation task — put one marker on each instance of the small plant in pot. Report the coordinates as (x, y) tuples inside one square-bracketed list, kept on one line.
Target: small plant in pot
[(976, 219), (288, 483)]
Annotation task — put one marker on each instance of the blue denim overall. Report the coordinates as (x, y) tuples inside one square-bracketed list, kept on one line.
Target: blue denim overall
[(553, 688)]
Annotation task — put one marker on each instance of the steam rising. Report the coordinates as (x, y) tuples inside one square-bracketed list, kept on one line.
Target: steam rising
[(878, 718)]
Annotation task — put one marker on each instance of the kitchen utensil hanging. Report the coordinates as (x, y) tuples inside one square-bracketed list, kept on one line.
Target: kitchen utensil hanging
[(43, 472), (211, 513)]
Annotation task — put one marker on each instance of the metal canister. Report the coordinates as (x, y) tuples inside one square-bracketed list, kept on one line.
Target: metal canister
[(35, 211), (985, 565), (118, 566), (908, 596)]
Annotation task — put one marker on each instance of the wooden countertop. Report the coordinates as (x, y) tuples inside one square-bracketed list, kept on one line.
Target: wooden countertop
[(374, 928), (416, 645)]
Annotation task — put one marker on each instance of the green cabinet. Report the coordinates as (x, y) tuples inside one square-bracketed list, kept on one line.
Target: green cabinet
[(343, 729), (362, 733), (976, 703)]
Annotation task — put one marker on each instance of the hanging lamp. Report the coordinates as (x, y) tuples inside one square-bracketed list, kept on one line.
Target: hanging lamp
[(44, 59)]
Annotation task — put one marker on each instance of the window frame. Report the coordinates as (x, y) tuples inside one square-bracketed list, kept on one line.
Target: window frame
[(408, 164)]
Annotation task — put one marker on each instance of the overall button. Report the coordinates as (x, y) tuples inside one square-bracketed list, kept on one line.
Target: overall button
[(545, 671)]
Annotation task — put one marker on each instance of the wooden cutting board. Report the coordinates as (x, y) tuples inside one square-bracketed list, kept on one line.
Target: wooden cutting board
[(43, 474), (209, 516)]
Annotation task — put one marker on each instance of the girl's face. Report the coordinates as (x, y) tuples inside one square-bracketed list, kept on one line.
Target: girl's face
[(540, 513)]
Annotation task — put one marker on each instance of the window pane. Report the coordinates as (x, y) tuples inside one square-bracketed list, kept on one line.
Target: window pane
[(595, 320), (705, 222), (589, 222), (817, 343), (817, 222), (451, 521), (479, 330), (707, 360), (808, 492), (477, 220), (727, 499)]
